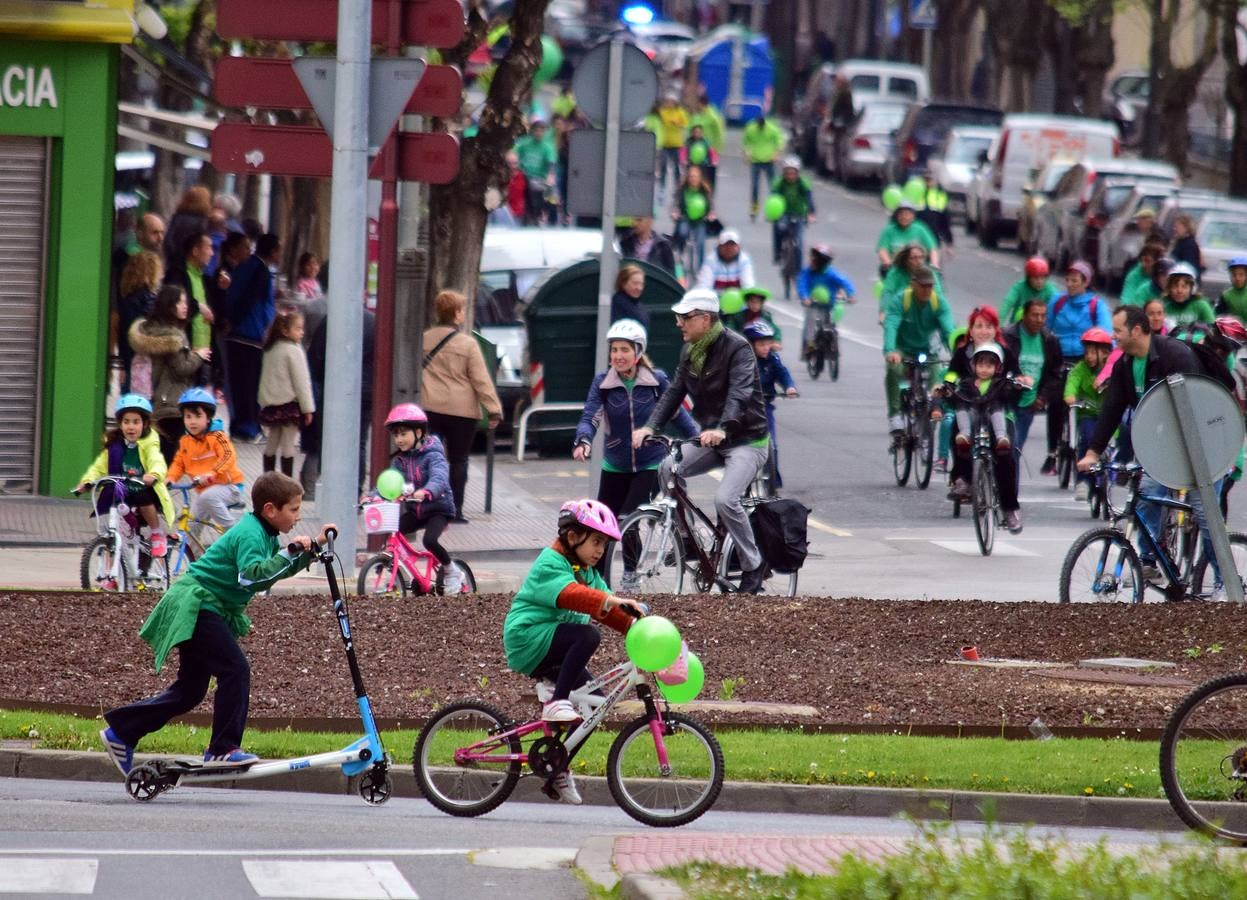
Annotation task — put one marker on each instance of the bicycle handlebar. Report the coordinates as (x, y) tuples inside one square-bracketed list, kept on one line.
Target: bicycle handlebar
[(119, 479)]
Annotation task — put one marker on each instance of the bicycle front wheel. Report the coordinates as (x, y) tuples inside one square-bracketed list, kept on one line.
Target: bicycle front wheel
[(780, 583), (180, 559), (925, 454), (903, 455), (649, 556), (450, 780), (814, 361), (984, 507), (1203, 758), (1101, 566), (379, 577), (96, 569), (833, 357), (670, 794), (1238, 549)]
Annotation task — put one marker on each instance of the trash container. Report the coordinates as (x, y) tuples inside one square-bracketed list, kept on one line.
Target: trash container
[(734, 66), (562, 340)]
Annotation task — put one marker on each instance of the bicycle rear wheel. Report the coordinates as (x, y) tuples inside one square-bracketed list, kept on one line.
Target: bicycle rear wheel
[(179, 560), (833, 356), (903, 455), (649, 556), (1064, 465), (96, 567), (984, 507), (1101, 566), (925, 453), (467, 579), (1203, 758), (469, 788), (814, 361), (782, 583), (665, 795), (1238, 549), (378, 578)]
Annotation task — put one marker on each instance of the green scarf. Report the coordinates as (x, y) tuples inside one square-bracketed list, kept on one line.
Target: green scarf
[(698, 349)]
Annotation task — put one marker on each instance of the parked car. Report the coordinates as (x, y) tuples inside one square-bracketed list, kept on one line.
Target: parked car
[(1120, 239), (808, 114), (872, 78), (864, 149), (1035, 193), (1027, 141), (513, 260), (1221, 235), (666, 43), (1195, 203), (1082, 207), (924, 128), (955, 160)]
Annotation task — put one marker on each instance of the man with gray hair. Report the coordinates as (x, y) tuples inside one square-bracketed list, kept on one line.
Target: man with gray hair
[(717, 370)]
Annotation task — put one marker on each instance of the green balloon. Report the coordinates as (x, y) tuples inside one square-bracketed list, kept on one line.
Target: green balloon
[(774, 207), (653, 643), (689, 689), (695, 204), (820, 294), (915, 191), (697, 154), (892, 197), (551, 61), (390, 484), (731, 302), (838, 313)]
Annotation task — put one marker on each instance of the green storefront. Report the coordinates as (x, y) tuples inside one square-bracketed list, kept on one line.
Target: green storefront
[(58, 110)]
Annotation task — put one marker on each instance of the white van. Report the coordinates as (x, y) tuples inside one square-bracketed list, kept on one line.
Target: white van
[(1026, 143), (874, 78)]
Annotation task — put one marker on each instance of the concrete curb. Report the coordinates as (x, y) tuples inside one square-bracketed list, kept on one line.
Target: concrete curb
[(737, 796), (650, 887)]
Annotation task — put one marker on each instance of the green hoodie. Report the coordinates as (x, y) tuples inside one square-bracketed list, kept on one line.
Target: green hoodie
[(1014, 303), (908, 325), (535, 613), (762, 143), (1234, 302), (1137, 288)]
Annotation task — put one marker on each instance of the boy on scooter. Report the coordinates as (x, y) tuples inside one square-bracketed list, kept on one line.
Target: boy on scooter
[(202, 615)]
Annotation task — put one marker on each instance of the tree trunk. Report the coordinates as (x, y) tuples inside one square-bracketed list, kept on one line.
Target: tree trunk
[(1012, 30), (1178, 91), (781, 28), (950, 49), (1236, 97), (457, 213), (1158, 62)]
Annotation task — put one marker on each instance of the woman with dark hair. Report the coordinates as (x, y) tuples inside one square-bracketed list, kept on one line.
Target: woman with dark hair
[(140, 280), (626, 301), (162, 337)]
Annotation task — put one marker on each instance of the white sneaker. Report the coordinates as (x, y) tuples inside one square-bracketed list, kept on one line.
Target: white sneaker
[(559, 711), (896, 422), (565, 786), (1218, 594), (1082, 491), (630, 583), (452, 580), (545, 690)]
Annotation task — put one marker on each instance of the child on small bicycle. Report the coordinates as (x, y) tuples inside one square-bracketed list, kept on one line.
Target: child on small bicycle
[(548, 633), (207, 457), (820, 304), (755, 310), (771, 372), (988, 392), (428, 502), (1081, 387), (132, 449), (203, 614)]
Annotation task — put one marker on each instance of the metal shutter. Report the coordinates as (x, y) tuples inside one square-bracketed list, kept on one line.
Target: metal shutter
[(23, 199)]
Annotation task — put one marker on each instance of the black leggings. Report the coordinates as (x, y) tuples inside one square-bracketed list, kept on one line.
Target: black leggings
[(571, 648), (623, 492), (456, 433), (433, 527)]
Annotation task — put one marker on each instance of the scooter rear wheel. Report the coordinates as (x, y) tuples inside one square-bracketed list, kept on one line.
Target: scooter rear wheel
[(376, 786), (145, 783)]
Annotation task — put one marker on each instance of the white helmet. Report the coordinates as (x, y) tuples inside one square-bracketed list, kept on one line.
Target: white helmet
[(628, 330), (792, 162), (990, 347)]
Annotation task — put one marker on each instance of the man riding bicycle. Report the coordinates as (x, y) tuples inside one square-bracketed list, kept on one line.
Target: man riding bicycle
[(820, 274), (911, 319), (718, 371)]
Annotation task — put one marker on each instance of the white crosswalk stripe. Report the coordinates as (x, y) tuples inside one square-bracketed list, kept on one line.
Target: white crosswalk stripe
[(373, 880), (48, 876)]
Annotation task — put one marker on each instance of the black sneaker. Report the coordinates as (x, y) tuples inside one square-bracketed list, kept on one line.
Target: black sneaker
[(1049, 465), (751, 581)]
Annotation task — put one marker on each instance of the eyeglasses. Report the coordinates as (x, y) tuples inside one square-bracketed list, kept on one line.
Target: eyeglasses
[(681, 318)]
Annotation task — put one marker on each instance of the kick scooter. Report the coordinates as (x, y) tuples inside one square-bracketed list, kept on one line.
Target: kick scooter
[(365, 757)]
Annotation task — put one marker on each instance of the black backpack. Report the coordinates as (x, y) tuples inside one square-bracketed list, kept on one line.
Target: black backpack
[(1200, 338), (780, 528)]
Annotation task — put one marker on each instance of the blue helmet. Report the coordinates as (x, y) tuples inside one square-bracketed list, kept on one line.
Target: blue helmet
[(132, 401), (199, 397), (1236, 261), (759, 329)]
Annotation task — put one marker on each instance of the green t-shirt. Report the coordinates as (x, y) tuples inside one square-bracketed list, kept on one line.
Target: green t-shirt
[(1014, 303), (1030, 362), (797, 195), (537, 157), (535, 613), (1080, 384), (1235, 302), (1197, 309), (894, 237), (1138, 366)]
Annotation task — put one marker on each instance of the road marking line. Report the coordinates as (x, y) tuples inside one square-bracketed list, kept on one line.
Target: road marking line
[(830, 529), (245, 851), (48, 876), (541, 858), (376, 880), (971, 548)]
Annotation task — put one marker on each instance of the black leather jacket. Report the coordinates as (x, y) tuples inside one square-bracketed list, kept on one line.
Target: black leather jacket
[(727, 395)]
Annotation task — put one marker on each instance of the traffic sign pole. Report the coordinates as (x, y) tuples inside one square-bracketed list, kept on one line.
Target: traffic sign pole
[(609, 266), (339, 490)]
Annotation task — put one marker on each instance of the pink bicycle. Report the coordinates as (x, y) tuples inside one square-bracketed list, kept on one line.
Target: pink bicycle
[(401, 568), (664, 768)]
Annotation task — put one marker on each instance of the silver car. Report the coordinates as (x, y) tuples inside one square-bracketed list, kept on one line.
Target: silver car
[(956, 161), (863, 152), (1221, 236)]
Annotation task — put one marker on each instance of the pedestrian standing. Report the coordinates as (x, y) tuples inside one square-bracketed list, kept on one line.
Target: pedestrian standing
[(140, 280), (626, 301), (175, 366), (285, 391), (191, 216), (252, 305)]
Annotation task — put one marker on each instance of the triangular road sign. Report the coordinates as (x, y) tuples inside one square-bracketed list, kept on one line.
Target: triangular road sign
[(391, 82)]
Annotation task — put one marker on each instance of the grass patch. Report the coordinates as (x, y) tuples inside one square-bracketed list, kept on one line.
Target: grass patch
[(999, 866), (1067, 766)]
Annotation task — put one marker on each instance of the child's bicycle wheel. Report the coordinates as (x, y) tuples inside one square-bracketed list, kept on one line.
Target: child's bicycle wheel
[(452, 782), (379, 578), (96, 568), (467, 584)]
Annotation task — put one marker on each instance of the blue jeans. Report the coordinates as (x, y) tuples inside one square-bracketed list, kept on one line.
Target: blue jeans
[(1153, 513), (798, 236), (669, 159), (1086, 431), (755, 171)]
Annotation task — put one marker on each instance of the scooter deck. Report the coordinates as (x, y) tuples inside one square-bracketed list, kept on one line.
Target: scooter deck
[(199, 767)]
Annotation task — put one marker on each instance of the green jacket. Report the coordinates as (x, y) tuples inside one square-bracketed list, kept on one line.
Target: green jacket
[(1197, 309), (893, 237), (153, 464), (1021, 293), (1234, 302), (908, 325), (798, 195), (898, 279), (713, 127), (537, 157), (762, 143), (1137, 288), (1080, 385), (535, 613), (245, 560)]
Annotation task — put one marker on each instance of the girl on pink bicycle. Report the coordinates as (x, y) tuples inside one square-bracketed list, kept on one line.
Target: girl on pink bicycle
[(427, 499), (548, 632)]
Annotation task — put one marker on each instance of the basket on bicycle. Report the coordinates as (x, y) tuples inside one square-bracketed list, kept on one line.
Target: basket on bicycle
[(382, 517)]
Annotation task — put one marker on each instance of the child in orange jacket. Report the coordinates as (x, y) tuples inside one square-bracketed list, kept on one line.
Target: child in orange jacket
[(206, 455)]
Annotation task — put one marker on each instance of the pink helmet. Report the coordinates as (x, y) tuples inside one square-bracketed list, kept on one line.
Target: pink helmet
[(591, 514), (406, 413)]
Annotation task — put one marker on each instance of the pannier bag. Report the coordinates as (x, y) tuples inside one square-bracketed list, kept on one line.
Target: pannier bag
[(780, 528)]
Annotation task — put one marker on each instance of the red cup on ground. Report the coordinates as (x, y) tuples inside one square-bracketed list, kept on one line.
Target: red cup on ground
[(970, 653)]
